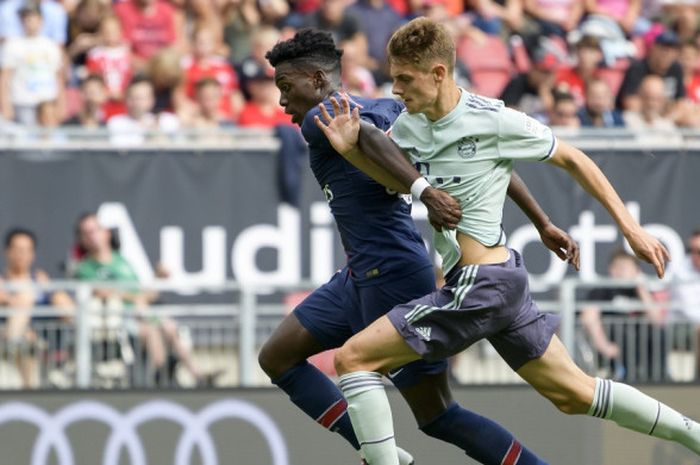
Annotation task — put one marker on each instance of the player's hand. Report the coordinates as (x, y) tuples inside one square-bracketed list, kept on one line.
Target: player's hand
[(343, 128), (648, 248), (561, 243), (443, 209)]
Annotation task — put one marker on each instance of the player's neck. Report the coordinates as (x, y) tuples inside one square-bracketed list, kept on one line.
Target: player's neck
[(446, 101)]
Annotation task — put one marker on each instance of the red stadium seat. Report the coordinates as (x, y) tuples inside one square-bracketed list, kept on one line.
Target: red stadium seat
[(614, 75), (489, 63)]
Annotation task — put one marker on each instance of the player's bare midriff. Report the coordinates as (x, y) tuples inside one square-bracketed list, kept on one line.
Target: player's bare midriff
[(476, 253)]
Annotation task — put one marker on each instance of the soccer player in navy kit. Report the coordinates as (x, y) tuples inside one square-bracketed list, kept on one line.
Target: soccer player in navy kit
[(469, 143), (387, 265)]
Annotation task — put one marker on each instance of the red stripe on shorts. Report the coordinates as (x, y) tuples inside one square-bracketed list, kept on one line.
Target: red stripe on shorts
[(513, 453), (334, 412)]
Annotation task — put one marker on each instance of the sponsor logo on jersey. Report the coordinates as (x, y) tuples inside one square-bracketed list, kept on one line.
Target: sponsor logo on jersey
[(328, 193)]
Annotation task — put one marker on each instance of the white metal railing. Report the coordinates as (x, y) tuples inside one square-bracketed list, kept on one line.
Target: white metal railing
[(232, 332), (14, 136)]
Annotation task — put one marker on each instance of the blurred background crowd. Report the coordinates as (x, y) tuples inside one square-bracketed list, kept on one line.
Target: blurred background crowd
[(135, 65)]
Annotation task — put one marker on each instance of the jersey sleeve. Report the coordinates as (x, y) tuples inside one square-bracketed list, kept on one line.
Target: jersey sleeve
[(521, 137)]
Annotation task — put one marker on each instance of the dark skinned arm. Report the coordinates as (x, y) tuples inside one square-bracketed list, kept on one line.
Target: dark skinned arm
[(552, 237)]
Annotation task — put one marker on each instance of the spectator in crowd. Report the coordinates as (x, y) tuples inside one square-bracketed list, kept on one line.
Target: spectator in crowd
[(93, 96), (22, 340), (626, 13), (263, 109), (332, 16), (84, 33), (689, 60), (111, 60), (564, 111), (377, 22), (134, 126), (572, 79), (54, 26), (241, 20), (612, 340), (357, 79), (531, 91), (205, 63), (262, 41), (102, 263), (653, 102), (557, 17), (599, 108), (492, 16), (148, 26), (48, 121), (164, 71), (662, 60), (32, 70), (682, 17), (685, 288), (208, 114)]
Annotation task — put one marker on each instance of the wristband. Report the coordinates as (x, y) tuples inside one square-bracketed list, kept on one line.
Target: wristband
[(418, 186)]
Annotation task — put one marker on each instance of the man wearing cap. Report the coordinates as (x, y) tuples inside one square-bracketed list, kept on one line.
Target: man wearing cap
[(662, 60)]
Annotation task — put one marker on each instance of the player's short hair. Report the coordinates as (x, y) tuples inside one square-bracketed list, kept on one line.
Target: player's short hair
[(308, 47), (422, 42), (18, 231)]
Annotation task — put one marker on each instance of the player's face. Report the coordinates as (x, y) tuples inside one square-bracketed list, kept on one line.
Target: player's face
[(298, 94), (416, 87)]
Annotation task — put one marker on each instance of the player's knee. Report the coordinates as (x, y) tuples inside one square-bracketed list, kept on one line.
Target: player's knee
[(571, 402), (347, 360)]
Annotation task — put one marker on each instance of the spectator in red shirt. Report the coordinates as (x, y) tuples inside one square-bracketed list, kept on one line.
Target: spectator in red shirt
[(263, 109), (205, 63), (691, 77), (572, 80), (148, 26), (208, 115), (112, 61)]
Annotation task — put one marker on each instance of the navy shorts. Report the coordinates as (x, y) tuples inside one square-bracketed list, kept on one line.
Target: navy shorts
[(477, 302), (337, 310)]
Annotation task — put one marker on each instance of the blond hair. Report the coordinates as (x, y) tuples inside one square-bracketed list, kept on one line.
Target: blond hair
[(422, 42)]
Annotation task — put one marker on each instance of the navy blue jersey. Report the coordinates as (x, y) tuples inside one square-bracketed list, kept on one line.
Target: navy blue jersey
[(377, 231)]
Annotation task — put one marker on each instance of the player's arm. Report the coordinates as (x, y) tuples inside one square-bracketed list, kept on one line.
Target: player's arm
[(555, 239), (592, 179), (355, 139)]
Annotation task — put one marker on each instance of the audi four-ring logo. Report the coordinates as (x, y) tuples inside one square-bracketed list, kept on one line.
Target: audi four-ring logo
[(124, 426)]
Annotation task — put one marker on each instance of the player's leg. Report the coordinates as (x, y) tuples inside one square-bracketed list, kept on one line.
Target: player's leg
[(360, 363), (283, 357), (439, 416), (424, 385), (556, 376)]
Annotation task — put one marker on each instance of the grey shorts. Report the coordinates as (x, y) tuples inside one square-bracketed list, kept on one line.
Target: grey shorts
[(477, 302)]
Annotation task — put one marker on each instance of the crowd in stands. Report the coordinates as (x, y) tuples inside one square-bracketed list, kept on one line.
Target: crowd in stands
[(135, 66)]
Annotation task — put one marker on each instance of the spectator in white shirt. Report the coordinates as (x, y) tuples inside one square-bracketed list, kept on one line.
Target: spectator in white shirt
[(32, 70), (139, 122)]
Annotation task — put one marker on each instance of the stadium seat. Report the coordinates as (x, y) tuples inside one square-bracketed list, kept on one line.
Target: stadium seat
[(489, 63), (614, 75)]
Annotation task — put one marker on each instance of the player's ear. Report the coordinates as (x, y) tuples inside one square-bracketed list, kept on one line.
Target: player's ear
[(439, 72), (320, 79)]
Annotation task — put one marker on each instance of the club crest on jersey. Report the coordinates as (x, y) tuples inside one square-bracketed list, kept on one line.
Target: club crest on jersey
[(328, 193), (466, 147)]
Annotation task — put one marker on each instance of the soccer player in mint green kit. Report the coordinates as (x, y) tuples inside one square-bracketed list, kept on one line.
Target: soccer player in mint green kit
[(466, 144)]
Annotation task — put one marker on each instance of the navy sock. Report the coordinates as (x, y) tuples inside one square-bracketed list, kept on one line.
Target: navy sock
[(482, 439), (319, 398)]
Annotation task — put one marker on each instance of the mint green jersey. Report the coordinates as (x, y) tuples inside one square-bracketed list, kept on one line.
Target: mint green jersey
[(469, 153)]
